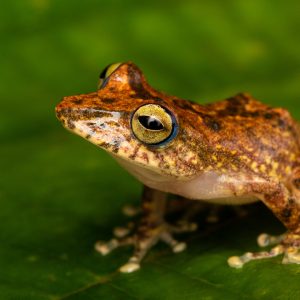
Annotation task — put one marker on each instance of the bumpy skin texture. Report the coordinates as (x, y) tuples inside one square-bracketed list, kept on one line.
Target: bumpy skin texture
[(238, 149)]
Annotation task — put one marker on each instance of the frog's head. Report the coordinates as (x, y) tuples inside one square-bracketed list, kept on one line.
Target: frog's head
[(142, 128)]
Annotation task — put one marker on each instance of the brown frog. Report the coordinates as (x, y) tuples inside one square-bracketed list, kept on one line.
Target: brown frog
[(234, 151)]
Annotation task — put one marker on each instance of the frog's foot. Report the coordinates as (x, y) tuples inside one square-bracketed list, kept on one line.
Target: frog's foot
[(287, 244), (143, 240), (238, 261)]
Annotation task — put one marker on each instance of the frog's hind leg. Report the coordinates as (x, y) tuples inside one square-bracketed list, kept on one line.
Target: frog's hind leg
[(151, 229), (285, 205)]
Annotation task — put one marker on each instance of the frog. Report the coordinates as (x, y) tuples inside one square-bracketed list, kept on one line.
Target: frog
[(231, 152)]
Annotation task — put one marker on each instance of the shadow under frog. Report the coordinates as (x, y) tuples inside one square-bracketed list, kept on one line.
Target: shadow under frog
[(234, 151)]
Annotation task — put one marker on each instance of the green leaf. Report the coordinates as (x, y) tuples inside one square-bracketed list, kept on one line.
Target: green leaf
[(60, 194)]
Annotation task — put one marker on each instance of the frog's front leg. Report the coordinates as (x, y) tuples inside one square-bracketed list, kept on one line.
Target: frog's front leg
[(286, 207), (151, 228)]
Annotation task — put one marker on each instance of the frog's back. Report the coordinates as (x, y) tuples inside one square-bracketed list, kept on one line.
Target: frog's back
[(251, 120), (266, 139)]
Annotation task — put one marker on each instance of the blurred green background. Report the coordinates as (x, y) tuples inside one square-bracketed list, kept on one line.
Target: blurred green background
[(59, 194)]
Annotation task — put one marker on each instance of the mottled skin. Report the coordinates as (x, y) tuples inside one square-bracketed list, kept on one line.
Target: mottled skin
[(234, 151)]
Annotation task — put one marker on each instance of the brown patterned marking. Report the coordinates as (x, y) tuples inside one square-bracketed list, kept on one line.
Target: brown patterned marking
[(186, 105), (58, 114), (268, 116), (145, 157), (286, 213), (134, 154), (282, 124), (296, 183), (291, 201), (77, 101), (94, 113), (115, 146), (108, 100), (212, 124), (104, 145), (70, 124), (112, 124)]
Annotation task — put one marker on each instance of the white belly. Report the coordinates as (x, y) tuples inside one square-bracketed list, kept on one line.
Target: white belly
[(208, 187)]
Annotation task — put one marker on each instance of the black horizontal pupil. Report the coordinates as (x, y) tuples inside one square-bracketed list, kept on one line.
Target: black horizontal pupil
[(103, 73), (150, 123)]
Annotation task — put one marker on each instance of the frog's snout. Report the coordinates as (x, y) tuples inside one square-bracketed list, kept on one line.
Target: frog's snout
[(69, 109)]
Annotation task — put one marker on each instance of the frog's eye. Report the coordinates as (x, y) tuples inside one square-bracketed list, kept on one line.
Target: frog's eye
[(153, 124), (106, 73)]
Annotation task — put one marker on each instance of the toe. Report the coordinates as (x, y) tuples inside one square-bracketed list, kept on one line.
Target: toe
[(130, 267), (179, 247), (106, 247)]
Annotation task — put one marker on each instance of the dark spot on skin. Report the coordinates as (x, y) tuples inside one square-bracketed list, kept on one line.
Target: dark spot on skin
[(157, 99), (112, 124), (268, 116), (145, 95), (87, 136), (145, 157), (212, 124), (241, 98), (70, 124), (286, 213), (90, 124), (100, 114), (115, 148), (281, 123), (58, 114), (291, 201), (108, 100), (186, 105), (133, 155), (104, 145), (250, 114), (77, 101), (296, 183), (235, 106)]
